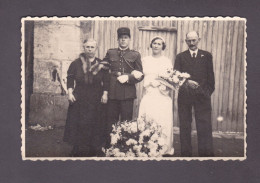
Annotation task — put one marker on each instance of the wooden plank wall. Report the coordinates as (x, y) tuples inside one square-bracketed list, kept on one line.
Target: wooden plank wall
[(224, 39)]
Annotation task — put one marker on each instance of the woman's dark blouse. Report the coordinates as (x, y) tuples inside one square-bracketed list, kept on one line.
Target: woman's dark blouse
[(76, 75)]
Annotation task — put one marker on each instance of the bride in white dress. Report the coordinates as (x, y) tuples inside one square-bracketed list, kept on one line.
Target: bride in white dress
[(156, 103)]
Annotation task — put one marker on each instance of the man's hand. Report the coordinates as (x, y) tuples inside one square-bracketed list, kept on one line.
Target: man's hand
[(122, 79), (192, 84), (137, 74), (104, 98)]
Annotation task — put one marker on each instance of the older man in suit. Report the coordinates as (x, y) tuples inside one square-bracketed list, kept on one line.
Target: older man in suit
[(196, 92)]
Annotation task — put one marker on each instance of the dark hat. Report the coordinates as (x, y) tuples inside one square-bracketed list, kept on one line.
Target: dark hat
[(123, 31)]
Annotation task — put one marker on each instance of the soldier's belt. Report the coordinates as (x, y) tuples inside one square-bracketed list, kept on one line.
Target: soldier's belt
[(117, 73)]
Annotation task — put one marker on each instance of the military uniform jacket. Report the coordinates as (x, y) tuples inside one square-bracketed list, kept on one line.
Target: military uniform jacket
[(200, 69), (123, 62)]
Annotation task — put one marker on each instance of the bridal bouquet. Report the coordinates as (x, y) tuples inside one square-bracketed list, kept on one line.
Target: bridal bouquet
[(173, 78), (141, 138)]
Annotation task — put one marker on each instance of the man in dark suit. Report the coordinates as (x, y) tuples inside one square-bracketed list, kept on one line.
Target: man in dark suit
[(126, 71), (196, 92)]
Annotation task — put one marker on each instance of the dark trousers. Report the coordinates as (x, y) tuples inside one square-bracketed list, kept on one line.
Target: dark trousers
[(118, 110), (202, 109)]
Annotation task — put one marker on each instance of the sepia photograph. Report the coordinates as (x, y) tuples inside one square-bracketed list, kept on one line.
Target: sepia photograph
[(133, 88)]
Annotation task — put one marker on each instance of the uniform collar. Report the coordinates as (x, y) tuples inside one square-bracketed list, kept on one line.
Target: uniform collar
[(120, 49)]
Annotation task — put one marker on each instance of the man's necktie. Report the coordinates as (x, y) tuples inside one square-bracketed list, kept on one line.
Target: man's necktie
[(193, 55)]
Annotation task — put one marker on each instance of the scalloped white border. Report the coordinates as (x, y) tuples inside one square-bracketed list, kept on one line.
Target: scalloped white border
[(118, 158)]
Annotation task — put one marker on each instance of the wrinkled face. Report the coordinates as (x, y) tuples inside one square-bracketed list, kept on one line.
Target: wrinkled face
[(192, 40), (123, 41), (90, 48), (157, 46)]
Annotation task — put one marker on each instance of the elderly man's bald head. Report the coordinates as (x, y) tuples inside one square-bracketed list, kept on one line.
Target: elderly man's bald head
[(192, 40), (192, 34)]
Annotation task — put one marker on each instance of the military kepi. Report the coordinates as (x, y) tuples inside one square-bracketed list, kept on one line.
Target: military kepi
[(123, 31)]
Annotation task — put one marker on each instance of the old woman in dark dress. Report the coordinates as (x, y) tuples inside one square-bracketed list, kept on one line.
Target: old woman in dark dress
[(87, 83)]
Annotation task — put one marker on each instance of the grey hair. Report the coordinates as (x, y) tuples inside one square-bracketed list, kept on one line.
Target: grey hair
[(90, 40)]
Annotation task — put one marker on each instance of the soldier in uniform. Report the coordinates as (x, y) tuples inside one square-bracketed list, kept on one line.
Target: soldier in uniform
[(125, 72)]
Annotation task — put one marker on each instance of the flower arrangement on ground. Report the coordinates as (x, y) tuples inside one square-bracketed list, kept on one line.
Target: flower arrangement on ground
[(140, 138)]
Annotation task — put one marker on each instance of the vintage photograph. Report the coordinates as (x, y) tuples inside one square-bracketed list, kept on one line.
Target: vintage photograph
[(139, 88)]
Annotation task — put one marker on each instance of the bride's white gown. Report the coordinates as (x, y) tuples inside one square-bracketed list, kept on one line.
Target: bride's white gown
[(155, 104)]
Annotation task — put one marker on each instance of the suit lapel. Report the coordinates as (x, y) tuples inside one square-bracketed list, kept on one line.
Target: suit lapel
[(187, 55), (199, 54)]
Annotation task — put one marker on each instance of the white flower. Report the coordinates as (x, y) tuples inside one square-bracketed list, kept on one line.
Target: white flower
[(130, 154), (154, 126), (175, 79), (178, 73), (145, 133), (113, 126), (114, 138), (152, 145), (141, 126), (184, 75), (141, 154), (116, 151), (123, 126), (164, 149), (110, 151), (154, 137), (121, 154), (153, 153), (137, 148), (141, 139), (134, 128), (161, 141), (131, 141)]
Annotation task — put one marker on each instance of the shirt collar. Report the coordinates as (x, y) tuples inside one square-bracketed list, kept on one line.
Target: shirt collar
[(196, 52)]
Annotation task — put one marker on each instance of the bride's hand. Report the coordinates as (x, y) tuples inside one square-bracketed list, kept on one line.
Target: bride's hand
[(162, 87), (155, 83)]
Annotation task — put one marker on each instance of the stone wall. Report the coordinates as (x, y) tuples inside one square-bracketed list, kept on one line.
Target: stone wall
[(56, 45)]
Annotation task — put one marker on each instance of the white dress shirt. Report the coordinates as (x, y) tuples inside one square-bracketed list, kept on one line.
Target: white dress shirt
[(196, 52)]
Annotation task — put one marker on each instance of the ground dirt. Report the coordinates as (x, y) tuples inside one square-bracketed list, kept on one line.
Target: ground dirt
[(49, 144)]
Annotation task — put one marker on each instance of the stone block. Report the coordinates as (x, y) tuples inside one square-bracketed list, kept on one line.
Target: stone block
[(61, 105), (41, 109), (43, 77), (48, 110), (57, 40)]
